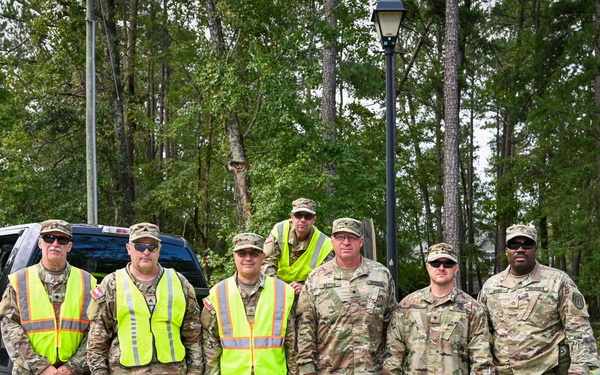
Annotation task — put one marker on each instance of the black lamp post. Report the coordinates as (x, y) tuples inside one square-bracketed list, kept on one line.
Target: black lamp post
[(387, 17)]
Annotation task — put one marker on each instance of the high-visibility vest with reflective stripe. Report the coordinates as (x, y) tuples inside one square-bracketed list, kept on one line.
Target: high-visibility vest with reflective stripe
[(260, 346), (37, 313), (317, 250), (139, 329)]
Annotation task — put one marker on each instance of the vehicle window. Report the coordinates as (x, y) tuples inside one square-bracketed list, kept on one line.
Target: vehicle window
[(6, 245), (101, 255)]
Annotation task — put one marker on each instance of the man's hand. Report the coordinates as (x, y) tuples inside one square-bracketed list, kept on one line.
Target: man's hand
[(50, 370), (297, 287), (64, 370)]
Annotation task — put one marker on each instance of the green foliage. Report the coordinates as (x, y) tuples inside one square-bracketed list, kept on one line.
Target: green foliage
[(527, 73)]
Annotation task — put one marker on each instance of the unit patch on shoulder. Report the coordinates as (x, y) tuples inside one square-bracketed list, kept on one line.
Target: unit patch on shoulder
[(269, 239), (578, 301), (207, 304), (98, 293)]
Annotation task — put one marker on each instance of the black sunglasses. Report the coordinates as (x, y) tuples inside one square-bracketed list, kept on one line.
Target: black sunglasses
[(307, 216), (141, 247), (49, 238), (526, 245), (437, 264)]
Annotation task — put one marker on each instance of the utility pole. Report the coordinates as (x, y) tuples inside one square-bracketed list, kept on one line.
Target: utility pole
[(90, 114)]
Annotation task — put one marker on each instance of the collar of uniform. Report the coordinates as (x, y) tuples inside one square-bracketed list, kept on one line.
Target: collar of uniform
[(430, 298), (260, 283), (47, 278), (534, 276), (363, 269), (158, 275)]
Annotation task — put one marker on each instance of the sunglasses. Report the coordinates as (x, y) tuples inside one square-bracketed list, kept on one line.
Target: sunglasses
[(50, 238), (526, 245), (253, 253), (307, 216), (446, 264), (141, 247), (342, 237)]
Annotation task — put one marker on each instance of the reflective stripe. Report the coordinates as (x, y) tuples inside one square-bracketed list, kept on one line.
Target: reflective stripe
[(280, 234), (170, 315), (279, 309), (235, 343), (317, 252), (268, 342), (222, 300), (136, 354), (73, 325), (38, 326)]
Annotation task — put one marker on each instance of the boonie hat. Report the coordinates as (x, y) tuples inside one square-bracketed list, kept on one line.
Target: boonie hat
[(248, 241), (520, 230), (304, 205), (57, 226), (442, 250), (347, 224), (144, 230)]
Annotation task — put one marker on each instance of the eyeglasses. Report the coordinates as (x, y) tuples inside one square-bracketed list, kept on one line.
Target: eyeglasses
[(141, 247), (307, 216), (526, 245), (342, 237), (446, 264), (50, 238), (253, 253)]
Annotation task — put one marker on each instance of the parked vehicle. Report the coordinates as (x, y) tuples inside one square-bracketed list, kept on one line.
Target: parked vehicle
[(98, 249)]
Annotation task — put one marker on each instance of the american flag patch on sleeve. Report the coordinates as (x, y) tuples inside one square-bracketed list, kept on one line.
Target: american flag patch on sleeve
[(98, 292), (207, 304)]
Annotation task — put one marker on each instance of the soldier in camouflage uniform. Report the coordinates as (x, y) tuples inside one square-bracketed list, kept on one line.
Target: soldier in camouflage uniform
[(306, 247), (538, 318), (55, 272), (249, 299), (344, 309), (145, 318), (439, 329)]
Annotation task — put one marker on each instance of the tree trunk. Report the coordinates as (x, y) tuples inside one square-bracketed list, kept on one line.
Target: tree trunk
[(125, 178), (238, 163), (451, 106), (328, 105)]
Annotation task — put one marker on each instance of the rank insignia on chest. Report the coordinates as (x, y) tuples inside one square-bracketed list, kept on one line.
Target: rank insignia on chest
[(98, 292)]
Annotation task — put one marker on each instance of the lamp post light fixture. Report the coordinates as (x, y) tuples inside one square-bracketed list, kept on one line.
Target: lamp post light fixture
[(387, 17)]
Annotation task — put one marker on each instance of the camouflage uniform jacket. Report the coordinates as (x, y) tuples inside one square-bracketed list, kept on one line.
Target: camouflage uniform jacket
[(449, 336), (530, 318), (210, 331), (273, 252), (103, 344), (342, 323), (26, 360)]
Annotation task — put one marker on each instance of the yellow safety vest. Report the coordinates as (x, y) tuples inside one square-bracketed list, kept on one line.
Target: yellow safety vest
[(37, 313), (140, 329), (317, 250), (260, 346)]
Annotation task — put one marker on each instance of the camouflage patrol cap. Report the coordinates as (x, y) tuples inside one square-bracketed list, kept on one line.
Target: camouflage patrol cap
[(248, 241), (304, 205), (442, 250), (519, 230), (144, 230), (347, 224), (56, 226)]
